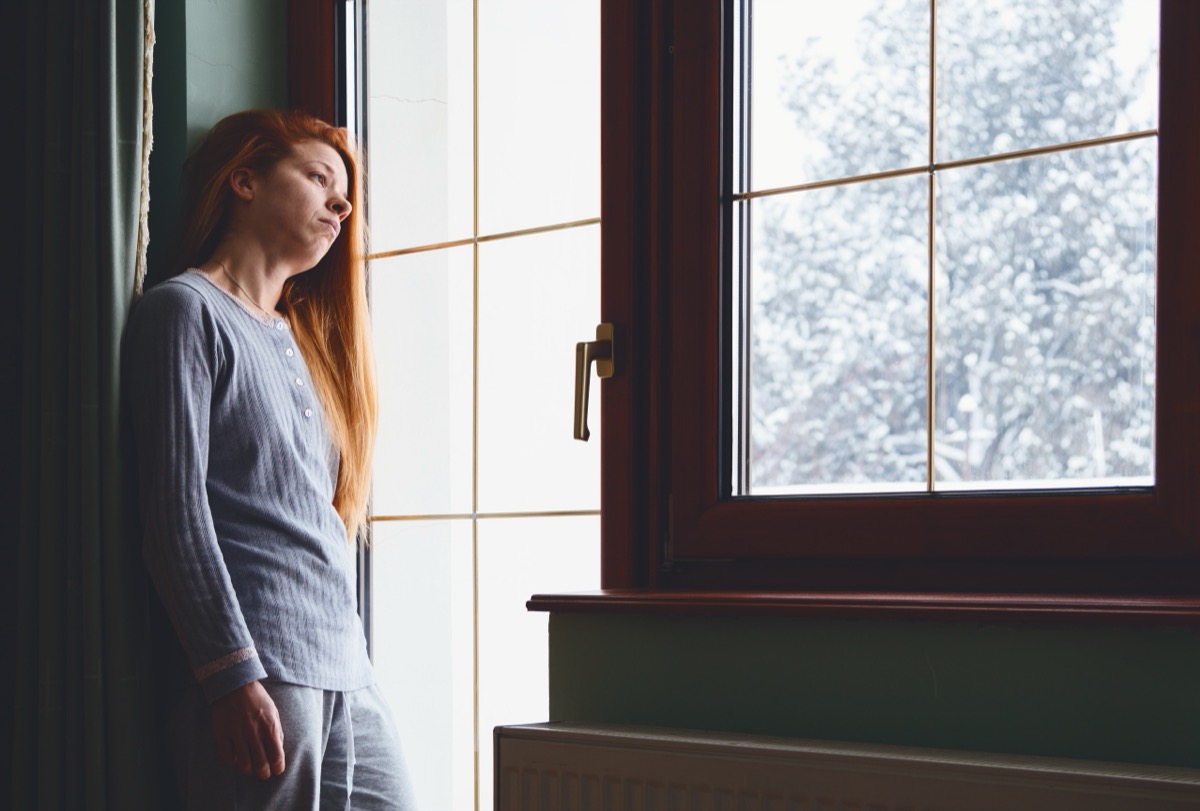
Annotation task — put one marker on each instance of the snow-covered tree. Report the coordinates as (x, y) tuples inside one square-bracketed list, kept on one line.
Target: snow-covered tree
[(1043, 282)]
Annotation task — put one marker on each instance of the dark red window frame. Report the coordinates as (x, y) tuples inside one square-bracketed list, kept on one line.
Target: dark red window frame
[(671, 538), (311, 54)]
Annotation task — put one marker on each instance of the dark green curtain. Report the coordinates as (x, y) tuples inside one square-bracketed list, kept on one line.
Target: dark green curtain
[(82, 713)]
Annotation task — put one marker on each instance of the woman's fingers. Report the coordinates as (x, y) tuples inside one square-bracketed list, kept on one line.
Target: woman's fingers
[(228, 754), (246, 725), (270, 740), (259, 765), (240, 759), (233, 751), (275, 750)]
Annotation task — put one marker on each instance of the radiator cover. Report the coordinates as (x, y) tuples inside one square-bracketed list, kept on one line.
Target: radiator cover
[(579, 767)]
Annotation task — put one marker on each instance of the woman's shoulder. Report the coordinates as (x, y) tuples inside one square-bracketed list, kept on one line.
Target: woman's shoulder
[(185, 296), (181, 305), (187, 289)]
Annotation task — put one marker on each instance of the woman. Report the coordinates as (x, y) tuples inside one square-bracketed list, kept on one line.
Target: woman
[(253, 396)]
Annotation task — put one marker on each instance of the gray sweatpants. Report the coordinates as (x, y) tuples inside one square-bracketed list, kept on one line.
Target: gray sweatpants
[(342, 753)]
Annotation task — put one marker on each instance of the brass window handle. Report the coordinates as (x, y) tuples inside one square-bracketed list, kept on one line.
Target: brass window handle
[(600, 351)]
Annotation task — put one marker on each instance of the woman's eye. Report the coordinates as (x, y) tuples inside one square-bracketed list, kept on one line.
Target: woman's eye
[(320, 178)]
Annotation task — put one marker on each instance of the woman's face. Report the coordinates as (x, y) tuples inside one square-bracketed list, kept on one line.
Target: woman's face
[(296, 208)]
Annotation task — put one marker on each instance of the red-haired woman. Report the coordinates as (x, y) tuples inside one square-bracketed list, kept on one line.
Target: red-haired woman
[(251, 384)]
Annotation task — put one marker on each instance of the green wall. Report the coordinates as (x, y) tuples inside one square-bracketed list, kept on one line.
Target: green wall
[(1112, 693), (236, 59), (211, 58)]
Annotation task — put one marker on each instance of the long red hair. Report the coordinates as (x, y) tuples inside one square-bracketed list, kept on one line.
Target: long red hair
[(327, 305)]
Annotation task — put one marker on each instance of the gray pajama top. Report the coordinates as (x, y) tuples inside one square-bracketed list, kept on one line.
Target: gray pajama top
[(236, 479)]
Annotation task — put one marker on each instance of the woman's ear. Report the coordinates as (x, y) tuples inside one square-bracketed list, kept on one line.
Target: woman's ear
[(241, 181)]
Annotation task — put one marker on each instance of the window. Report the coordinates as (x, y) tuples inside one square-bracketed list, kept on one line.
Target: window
[(671, 516)]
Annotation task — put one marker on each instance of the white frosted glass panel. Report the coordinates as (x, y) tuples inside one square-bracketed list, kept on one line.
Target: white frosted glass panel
[(419, 154), (421, 312), (519, 558), (1014, 74), (538, 296), (424, 663), (539, 112), (837, 88)]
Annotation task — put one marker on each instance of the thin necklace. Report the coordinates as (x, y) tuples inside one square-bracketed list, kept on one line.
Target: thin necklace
[(249, 298)]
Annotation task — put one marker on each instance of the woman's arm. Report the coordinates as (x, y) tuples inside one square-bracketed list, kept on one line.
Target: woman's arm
[(174, 362)]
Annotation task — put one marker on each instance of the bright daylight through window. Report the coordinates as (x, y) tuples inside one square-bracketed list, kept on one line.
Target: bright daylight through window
[(945, 240), (484, 202)]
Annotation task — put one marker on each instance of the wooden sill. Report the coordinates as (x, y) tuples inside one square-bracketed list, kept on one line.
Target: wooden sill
[(1101, 609)]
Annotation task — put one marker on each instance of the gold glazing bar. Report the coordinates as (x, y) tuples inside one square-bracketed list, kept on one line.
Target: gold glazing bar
[(931, 266), (1047, 150), (930, 343), (937, 167), (541, 229), (487, 516), (933, 88), (436, 246), (458, 243), (475, 393), (535, 514), (825, 184)]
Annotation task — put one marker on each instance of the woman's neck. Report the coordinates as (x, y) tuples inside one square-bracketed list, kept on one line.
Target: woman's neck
[(248, 275)]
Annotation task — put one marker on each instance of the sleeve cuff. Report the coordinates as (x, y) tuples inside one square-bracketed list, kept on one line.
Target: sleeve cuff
[(229, 673)]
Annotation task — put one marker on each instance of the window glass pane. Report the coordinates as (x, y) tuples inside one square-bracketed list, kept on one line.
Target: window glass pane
[(1045, 320), (419, 80), (1014, 74), (422, 602), (837, 89), (838, 348), (537, 297), (1045, 273), (422, 306), (518, 558), (539, 113)]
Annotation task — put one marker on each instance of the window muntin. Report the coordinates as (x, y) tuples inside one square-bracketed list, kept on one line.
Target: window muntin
[(855, 378)]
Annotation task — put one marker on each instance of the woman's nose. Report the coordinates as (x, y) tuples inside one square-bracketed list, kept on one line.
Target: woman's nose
[(341, 207)]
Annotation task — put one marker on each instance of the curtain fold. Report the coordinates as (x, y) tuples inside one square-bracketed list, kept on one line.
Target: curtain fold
[(83, 719)]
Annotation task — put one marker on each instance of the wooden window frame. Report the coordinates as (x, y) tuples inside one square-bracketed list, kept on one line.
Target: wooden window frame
[(671, 540), (311, 57)]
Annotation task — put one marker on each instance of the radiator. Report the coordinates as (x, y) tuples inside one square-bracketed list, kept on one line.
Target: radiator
[(577, 767)]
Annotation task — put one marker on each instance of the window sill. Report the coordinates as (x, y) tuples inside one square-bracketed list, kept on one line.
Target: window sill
[(1093, 609)]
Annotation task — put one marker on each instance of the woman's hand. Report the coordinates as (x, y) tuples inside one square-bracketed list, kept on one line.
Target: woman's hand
[(247, 731)]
